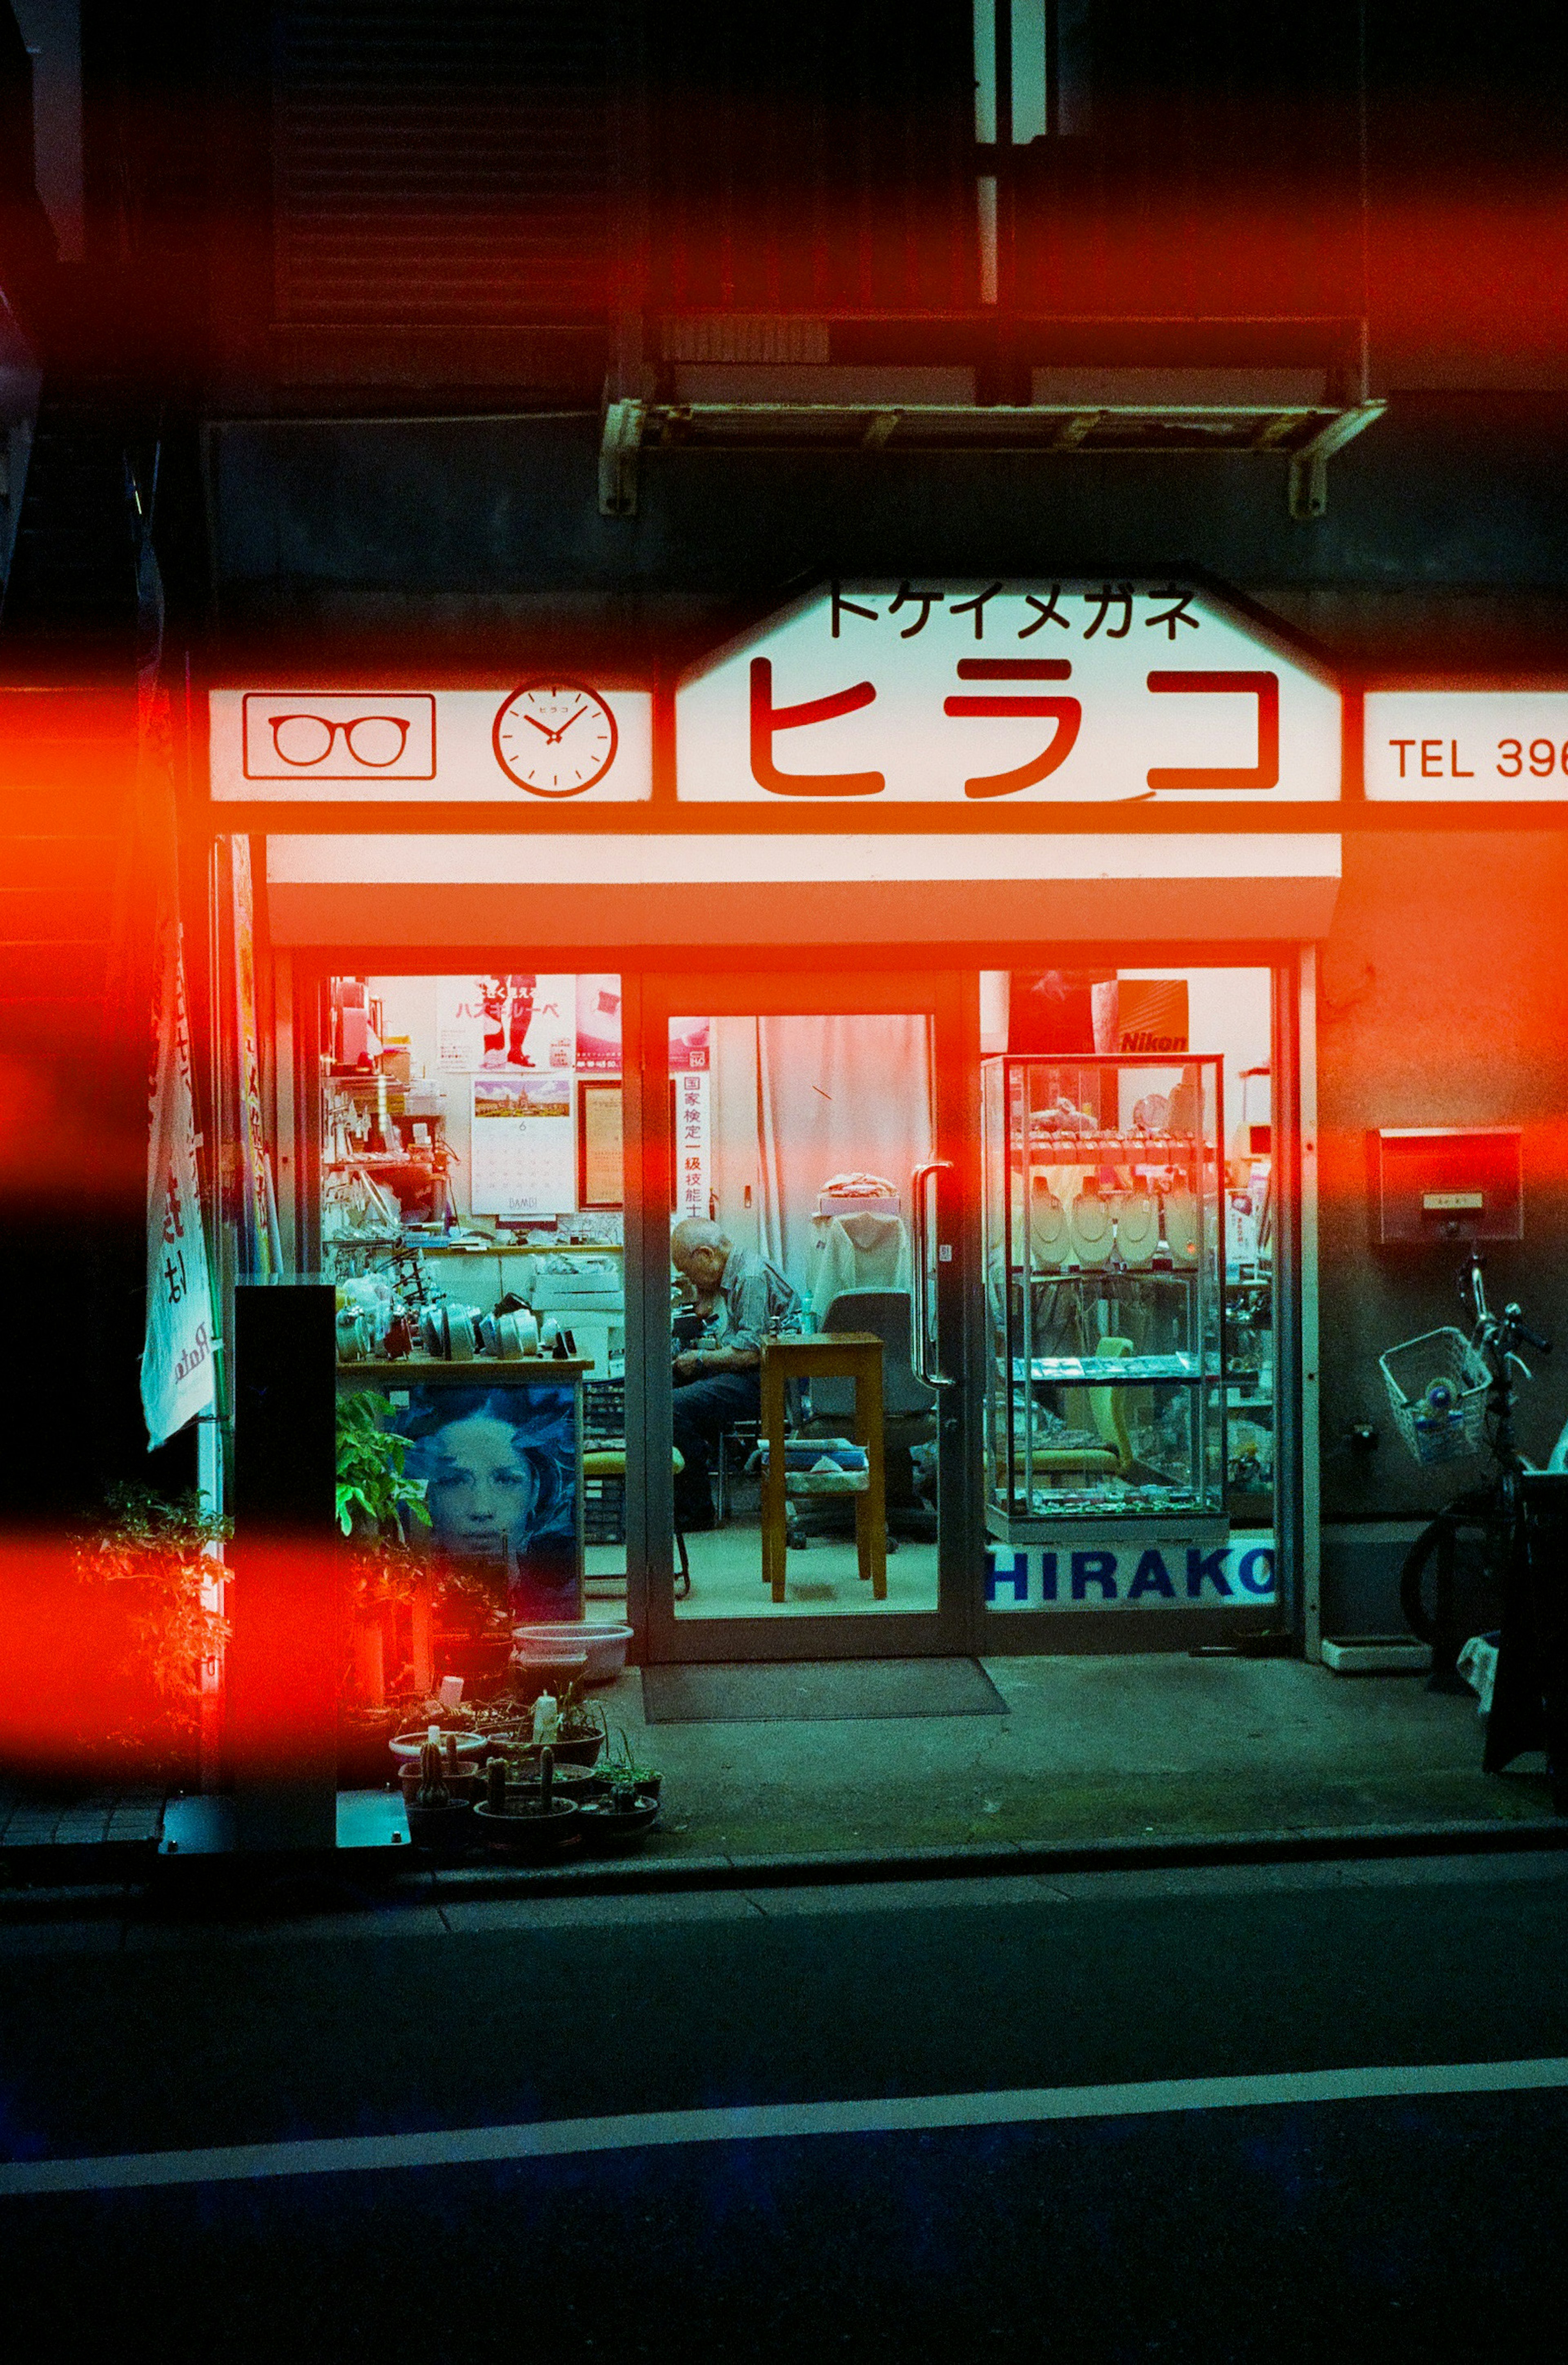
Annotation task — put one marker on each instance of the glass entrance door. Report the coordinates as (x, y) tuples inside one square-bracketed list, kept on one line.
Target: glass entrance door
[(800, 1224)]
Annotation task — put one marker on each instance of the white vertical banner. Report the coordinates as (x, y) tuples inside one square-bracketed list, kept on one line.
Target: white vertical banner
[(177, 1378), (693, 1143)]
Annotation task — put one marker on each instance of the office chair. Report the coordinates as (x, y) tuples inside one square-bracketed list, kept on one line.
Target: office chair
[(1106, 1452), (909, 1412)]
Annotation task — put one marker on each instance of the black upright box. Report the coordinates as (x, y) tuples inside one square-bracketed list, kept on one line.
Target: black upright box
[(283, 1656)]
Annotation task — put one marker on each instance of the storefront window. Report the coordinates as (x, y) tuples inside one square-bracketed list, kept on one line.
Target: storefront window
[(796, 1139), (471, 1219)]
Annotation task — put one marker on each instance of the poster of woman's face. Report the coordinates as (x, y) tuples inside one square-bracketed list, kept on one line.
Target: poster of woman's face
[(499, 1465)]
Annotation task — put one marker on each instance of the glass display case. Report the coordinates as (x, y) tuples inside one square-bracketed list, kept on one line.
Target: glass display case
[(1249, 1309), (1104, 1251)]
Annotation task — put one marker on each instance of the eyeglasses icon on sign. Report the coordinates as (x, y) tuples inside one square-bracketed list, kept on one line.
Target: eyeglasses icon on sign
[(373, 740)]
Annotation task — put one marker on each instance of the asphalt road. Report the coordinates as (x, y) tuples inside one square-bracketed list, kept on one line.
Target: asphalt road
[(1235, 2220)]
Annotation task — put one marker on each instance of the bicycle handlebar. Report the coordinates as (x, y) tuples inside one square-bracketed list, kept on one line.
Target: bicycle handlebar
[(1500, 1333), (1513, 1321)]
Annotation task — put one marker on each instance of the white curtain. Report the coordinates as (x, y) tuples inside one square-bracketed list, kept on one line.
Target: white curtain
[(836, 1095)]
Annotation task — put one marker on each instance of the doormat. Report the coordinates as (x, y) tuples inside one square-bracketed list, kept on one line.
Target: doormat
[(817, 1692)]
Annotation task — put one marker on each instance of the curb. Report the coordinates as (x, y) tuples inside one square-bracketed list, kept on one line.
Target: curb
[(366, 1875)]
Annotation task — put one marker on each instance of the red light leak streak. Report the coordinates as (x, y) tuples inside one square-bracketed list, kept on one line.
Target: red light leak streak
[(79, 1690), (81, 876)]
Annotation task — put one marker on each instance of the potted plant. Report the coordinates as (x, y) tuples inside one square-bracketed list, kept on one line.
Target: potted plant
[(378, 1503), (646, 1778), (527, 1820), (460, 1776), (437, 1820), (627, 1810), (154, 1619), (580, 1730)]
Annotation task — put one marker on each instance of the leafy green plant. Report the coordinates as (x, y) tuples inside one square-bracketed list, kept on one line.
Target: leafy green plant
[(628, 1771), (376, 1503), (374, 1487), (577, 1717), (154, 1565)]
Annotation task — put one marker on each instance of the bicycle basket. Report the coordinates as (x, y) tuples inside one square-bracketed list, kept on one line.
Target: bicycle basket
[(1437, 1391)]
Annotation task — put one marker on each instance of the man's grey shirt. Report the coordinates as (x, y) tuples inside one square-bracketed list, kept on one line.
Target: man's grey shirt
[(754, 1299)]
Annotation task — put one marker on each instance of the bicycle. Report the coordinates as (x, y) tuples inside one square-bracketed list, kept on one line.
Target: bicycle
[(1519, 1517)]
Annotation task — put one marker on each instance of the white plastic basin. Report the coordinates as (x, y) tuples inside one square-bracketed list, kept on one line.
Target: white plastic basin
[(603, 1639)]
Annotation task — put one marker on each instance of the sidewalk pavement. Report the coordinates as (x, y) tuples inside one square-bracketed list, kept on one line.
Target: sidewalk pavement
[(1153, 1749), (1096, 1756)]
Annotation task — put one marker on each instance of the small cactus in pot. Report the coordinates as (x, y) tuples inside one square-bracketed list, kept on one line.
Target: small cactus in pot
[(534, 1821), (437, 1820), (432, 1790)]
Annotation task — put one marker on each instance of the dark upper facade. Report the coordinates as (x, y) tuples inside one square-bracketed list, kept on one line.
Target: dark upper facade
[(449, 318)]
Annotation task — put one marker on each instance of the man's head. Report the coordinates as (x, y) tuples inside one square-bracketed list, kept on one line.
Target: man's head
[(700, 1250)]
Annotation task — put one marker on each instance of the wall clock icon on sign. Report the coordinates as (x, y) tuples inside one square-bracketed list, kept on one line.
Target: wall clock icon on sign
[(555, 738)]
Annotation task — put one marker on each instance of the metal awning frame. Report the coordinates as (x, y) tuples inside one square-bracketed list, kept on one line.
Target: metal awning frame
[(1305, 435)]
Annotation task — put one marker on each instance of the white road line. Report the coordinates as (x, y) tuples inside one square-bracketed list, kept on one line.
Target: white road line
[(554, 2138)]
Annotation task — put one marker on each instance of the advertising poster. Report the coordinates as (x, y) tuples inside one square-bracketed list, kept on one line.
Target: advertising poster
[(688, 1043), (601, 1181), (524, 1149), (489, 1024), (501, 1469), (599, 1026)]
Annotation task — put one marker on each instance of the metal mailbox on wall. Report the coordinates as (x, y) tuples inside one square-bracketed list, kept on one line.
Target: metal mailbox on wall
[(1437, 1184)]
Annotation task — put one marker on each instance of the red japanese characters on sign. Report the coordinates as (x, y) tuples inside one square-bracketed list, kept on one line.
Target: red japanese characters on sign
[(931, 692)]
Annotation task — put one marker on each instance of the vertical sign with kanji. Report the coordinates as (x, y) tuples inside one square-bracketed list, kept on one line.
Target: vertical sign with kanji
[(692, 1138)]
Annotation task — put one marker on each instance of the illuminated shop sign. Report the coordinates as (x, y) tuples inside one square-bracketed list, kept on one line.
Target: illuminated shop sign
[(1495, 746), (1104, 1573), (546, 740), (984, 695)]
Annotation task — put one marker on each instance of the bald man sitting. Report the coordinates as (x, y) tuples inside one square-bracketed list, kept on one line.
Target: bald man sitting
[(716, 1383)]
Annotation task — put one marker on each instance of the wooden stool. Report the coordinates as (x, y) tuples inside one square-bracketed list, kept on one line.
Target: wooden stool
[(830, 1354)]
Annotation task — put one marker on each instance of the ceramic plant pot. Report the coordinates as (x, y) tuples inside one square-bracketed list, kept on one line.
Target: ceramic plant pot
[(444, 1831), (520, 1831), (610, 1824)]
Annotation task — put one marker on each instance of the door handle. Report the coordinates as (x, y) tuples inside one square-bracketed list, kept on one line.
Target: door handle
[(925, 1368)]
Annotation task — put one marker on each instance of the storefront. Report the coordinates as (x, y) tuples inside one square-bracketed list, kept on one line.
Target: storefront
[(951, 949)]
